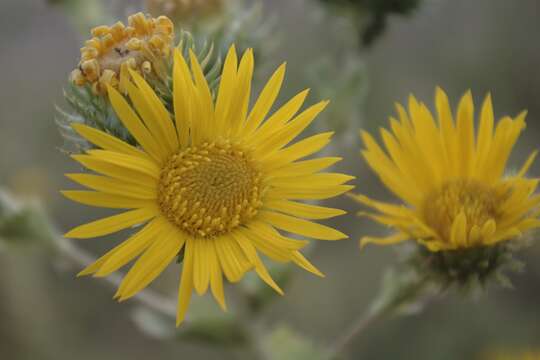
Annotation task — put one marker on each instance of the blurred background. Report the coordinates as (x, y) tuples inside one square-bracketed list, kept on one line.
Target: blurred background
[(482, 45)]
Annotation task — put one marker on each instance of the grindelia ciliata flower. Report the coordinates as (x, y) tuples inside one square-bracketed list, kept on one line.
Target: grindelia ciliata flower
[(212, 183), (457, 195), (141, 46)]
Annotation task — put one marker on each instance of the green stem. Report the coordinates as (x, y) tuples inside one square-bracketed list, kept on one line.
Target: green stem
[(405, 293), (253, 326), (146, 297)]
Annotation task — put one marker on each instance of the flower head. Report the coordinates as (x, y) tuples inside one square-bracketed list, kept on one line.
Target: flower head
[(452, 181), (212, 184), (140, 46)]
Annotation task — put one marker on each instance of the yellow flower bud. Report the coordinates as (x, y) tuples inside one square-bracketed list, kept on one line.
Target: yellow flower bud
[(143, 46), (134, 44), (146, 67), (100, 30), (117, 31), (90, 69), (77, 77)]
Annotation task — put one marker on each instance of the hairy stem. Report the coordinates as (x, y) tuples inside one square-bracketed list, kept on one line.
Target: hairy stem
[(146, 297), (253, 327), (383, 305)]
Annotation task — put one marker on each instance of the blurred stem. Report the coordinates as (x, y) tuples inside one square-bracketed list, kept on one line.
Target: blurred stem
[(253, 327), (380, 308), (146, 297)]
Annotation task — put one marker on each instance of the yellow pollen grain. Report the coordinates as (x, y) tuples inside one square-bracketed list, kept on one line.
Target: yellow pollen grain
[(210, 189), (478, 202)]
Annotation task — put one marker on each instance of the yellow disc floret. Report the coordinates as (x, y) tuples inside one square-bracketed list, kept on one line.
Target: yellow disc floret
[(140, 46), (466, 199), (210, 189)]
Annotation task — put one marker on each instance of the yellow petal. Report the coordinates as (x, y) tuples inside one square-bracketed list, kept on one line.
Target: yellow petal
[(92, 268), (475, 236), (269, 234), (152, 263), (265, 101), (458, 233), (201, 265), (389, 240), (301, 227), (114, 186), (131, 121), (282, 116), (485, 133), (216, 277), (488, 229), (304, 263), (112, 224), (308, 194), (232, 259), (303, 210), (183, 92), (186, 282), (115, 171), (206, 102), (305, 167), (239, 104), (290, 131), (447, 130), (251, 254), (131, 248), (226, 89), (465, 134), (153, 112), (312, 181), (297, 151), (99, 199), (144, 166), (269, 249), (525, 167), (106, 141)]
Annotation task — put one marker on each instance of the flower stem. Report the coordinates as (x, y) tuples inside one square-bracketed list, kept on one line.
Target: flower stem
[(253, 327), (406, 289), (146, 297)]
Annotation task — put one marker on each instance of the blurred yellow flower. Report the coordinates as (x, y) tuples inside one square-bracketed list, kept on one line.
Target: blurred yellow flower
[(453, 182), (140, 46), (212, 185)]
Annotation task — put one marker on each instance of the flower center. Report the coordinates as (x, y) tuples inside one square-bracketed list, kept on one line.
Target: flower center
[(210, 189), (478, 202)]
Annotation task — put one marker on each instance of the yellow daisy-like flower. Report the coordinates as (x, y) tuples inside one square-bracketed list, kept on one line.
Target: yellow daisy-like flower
[(140, 46), (452, 181), (214, 183)]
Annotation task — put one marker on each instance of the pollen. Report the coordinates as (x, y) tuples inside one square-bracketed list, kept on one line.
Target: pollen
[(141, 45), (479, 203), (209, 190)]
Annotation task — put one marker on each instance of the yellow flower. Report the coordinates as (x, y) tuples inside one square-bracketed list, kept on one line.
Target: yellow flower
[(213, 184), (453, 183), (140, 46)]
